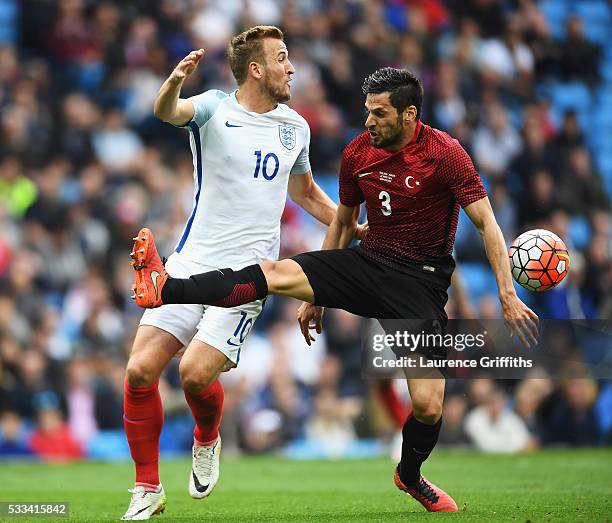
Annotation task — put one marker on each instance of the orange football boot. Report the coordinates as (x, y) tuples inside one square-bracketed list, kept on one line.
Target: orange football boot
[(433, 498), (150, 273)]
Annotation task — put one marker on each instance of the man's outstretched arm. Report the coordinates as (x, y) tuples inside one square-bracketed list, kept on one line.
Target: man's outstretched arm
[(521, 320), (168, 106)]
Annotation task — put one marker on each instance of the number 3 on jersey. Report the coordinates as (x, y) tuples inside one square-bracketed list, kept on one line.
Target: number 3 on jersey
[(265, 167), (385, 199)]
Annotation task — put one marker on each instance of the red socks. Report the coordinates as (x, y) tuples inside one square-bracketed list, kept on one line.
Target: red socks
[(206, 407), (143, 418), (393, 404)]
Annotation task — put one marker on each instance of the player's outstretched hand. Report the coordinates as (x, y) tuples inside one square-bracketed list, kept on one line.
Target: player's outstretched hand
[(362, 230), (310, 317), (187, 65), (521, 320)]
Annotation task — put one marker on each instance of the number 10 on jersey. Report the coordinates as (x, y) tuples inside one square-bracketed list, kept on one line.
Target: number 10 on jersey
[(265, 165)]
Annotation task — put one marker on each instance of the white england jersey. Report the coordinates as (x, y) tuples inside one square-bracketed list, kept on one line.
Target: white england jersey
[(242, 163)]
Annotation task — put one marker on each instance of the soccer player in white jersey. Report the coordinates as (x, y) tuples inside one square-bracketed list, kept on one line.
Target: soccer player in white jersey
[(249, 151)]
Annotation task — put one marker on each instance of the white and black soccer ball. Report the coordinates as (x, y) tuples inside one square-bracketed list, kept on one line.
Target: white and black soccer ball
[(539, 260)]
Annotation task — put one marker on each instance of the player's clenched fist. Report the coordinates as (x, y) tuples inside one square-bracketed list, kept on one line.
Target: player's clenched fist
[(187, 65)]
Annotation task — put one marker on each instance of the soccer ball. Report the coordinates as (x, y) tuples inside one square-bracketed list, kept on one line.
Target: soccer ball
[(539, 260)]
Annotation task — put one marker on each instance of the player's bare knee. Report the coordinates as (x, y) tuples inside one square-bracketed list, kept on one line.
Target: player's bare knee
[(194, 380), (192, 384), (274, 275), (286, 277), (139, 374), (427, 410)]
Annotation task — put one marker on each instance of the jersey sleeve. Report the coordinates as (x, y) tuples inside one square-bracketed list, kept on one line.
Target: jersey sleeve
[(205, 105), (302, 163), (458, 171), (350, 192)]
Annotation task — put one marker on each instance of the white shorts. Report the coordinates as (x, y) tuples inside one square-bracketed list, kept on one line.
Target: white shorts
[(224, 329)]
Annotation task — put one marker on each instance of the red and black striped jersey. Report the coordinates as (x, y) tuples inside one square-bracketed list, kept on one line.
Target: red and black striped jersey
[(412, 196)]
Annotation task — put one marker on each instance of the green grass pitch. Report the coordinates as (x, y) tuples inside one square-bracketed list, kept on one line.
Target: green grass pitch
[(547, 486)]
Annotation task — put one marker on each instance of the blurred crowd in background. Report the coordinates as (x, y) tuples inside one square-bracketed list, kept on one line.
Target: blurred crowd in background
[(525, 86)]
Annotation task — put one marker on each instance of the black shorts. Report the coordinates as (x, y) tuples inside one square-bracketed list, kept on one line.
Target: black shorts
[(353, 280)]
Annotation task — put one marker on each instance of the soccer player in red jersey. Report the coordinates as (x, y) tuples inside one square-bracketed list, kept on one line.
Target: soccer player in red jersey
[(413, 179)]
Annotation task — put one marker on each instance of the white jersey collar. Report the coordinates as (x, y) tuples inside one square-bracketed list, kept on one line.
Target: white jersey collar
[(252, 113)]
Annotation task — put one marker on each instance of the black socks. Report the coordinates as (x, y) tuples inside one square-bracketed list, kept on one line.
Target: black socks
[(221, 287), (418, 440)]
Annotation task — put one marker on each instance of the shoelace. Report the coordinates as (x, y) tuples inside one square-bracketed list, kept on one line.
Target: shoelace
[(204, 466), (425, 490)]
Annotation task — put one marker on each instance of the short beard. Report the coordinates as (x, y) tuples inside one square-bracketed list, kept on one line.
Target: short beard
[(275, 93), (390, 141)]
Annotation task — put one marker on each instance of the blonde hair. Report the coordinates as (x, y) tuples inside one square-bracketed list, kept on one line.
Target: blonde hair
[(247, 47)]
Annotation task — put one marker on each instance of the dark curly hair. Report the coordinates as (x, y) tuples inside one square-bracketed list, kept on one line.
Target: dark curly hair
[(405, 89)]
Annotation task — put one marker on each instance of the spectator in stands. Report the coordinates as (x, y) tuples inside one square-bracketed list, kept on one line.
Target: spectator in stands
[(581, 189), (80, 116), (108, 387), (453, 432), (536, 154), (80, 400), (508, 61), (488, 14), (597, 283), (538, 200), (330, 428), (568, 416), (569, 136), (117, 147), (494, 427), (527, 399), (52, 439), (543, 45), (449, 108), (13, 436), (579, 60), (495, 143)]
